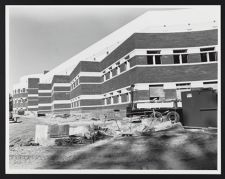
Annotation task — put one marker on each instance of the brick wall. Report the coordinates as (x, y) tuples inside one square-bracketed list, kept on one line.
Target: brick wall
[(167, 59), (44, 94), (60, 79), (61, 88), (44, 100), (32, 91), (60, 96), (44, 108), (58, 106), (180, 39), (176, 73), (90, 79), (194, 58), (44, 86), (33, 82), (33, 103), (90, 102)]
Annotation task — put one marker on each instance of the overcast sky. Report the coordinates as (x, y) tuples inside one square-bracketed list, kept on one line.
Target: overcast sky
[(40, 38)]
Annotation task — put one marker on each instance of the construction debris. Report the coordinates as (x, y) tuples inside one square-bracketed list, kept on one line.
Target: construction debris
[(134, 126)]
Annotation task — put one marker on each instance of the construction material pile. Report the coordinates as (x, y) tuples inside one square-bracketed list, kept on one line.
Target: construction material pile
[(66, 134)]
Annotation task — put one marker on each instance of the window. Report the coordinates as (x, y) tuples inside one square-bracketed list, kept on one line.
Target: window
[(125, 66), (210, 82), (158, 59), (184, 58), (114, 71), (127, 57), (203, 57), (212, 56), (156, 92), (150, 60), (153, 52), (207, 49), (109, 100), (183, 85), (107, 75), (127, 96), (176, 59), (115, 99), (180, 51)]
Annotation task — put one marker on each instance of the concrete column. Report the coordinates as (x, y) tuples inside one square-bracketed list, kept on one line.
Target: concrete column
[(119, 98), (118, 70), (105, 101), (111, 98), (129, 97), (207, 56), (153, 57), (128, 65)]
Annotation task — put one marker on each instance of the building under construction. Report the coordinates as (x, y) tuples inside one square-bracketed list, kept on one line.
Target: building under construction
[(142, 61)]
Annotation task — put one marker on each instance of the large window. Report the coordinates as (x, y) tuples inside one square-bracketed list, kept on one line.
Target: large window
[(156, 92), (208, 51), (178, 57)]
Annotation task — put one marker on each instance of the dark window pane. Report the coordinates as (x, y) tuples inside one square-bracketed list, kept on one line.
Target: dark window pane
[(153, 51), (184, 58), (203, 57), (150, 60), (212, 56), (207, 49), (157, 59), (176, 59), (179, 51)]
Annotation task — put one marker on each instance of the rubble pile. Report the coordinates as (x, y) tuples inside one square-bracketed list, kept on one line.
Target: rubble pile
[(133, 126)]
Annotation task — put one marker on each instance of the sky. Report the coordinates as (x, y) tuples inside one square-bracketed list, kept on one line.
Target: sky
[(42, 37)]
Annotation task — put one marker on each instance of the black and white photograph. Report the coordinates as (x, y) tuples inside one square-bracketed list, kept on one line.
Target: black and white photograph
[(113, 89)]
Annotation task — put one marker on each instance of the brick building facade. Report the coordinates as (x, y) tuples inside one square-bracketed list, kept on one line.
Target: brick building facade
[(158, 64)]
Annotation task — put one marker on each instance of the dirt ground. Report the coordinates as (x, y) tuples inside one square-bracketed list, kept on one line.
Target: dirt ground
[(183, 150)]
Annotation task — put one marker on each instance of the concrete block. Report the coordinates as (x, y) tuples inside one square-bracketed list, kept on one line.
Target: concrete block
[(41, 135)]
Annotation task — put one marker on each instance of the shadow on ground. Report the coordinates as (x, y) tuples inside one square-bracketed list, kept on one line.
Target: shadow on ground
[(162, 151)]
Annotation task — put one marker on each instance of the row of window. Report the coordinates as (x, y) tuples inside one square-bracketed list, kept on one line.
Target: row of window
[(182, 58), (18, 101), (18, 91), (154, 57), (117, 70), (75, 84), (117, 99), (75, 104)]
